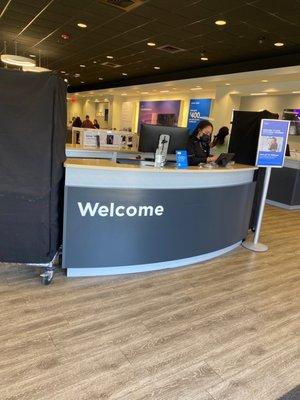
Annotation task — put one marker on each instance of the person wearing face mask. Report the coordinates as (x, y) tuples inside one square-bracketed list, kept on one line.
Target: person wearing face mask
[(198, 146)]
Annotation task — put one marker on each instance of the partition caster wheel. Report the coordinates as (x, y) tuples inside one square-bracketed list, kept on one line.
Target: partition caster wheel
[(47, 276)]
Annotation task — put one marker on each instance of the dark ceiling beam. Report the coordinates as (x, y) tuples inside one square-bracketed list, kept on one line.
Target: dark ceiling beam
[(287, 60)]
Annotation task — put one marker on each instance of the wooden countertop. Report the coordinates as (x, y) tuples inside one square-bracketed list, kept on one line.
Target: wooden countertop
[(89, 163)]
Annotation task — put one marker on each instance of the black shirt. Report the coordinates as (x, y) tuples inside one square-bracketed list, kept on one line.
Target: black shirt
[(197, 151)]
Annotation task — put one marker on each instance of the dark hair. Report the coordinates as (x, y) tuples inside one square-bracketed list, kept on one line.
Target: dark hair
[(77, 122), (201, 125), (87, 116), (220, 137)]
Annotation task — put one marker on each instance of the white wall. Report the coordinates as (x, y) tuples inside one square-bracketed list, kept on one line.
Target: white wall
[(274, 104)]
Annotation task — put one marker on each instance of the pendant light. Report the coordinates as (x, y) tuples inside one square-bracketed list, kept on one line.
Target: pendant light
[(14, 59), (36, 68)]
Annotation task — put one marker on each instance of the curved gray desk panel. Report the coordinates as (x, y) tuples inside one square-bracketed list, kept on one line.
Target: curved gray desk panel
[(124, 219)]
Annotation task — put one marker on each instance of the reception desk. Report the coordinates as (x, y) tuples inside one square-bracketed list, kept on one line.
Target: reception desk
[(284, 188), (122, 218)]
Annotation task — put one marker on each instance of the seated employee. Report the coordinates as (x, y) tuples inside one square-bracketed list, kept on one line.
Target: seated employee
[(198, 146)]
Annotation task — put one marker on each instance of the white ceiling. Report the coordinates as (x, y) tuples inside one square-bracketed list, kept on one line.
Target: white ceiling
[(280, 81)]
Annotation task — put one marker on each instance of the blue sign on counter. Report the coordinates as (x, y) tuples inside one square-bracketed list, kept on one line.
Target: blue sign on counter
[(199, 109), (181, 159), (272, 143)]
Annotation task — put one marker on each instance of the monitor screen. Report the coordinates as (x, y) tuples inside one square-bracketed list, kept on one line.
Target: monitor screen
[(149, 138), (293, 115)]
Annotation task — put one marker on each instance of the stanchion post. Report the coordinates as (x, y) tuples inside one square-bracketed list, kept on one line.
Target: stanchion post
[(255, 245)]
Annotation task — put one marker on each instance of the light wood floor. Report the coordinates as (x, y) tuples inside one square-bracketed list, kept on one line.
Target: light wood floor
[(227, 329)]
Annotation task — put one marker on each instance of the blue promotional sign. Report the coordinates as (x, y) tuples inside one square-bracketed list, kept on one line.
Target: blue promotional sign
[(272, 143), (181, 159), (199, 109)]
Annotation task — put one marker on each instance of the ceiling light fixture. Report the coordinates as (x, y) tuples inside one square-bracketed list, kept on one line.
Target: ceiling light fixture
[(278, 44), (32, 55), (76, 75), (220, 22), (82, 66), (95, 62), (296, 91), (82, 25), (164, 91), (124, 73), (123, 94), (227, 84), (35, 69), (62, 72), (82, 82), (66, 80), (151, 44), (258, 94), (157, 67), (264, 80), (19, 61), (100, 79), (110, 57), (204, 59), (144, 92), (196, 88)]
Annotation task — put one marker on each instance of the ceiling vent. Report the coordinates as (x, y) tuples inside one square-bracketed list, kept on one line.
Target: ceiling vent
[(168, 48), (111, 65), (125, 5)]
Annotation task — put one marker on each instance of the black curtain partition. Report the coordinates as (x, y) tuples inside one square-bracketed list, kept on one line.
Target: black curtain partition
[(243, 142), (32, 152)]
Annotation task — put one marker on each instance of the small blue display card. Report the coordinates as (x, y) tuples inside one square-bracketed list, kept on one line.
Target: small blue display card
[(181, 159)]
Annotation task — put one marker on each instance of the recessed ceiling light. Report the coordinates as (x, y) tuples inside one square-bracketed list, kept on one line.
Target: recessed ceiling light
[(151, 44), (123, 94), (82, 66), (124, 74), (156, 67), (82, 82), (110, 57), (62, 72), (81, 25), (258, 94), (196, 88), (164, 91), (278, 44), (32, 55), (264, 80), (227, 84), (144, 92), (66, 80), (100, 79), (76, 94), (95, 62), (296, 91), (76, 75), (220, 22), (204, 59)]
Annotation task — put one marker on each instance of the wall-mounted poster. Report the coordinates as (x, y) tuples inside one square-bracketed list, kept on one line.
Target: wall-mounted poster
[(159, 112), (126, 116), (199, 109)]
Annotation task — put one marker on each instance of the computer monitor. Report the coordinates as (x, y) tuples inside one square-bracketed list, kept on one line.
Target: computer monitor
[(149, 138)]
